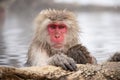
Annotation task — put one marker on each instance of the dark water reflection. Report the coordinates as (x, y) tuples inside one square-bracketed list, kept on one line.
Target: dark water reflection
[(2, 45), (100, 34)]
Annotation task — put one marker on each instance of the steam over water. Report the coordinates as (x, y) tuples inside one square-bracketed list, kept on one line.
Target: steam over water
[(100, 34)]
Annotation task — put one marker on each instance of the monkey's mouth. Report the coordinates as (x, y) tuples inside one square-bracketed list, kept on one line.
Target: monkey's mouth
[(58, 46)]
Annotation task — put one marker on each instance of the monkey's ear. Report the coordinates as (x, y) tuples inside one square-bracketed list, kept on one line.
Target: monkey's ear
[(115, 57)]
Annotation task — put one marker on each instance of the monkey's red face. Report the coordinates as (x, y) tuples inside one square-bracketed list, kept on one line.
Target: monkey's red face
[(57, 33)]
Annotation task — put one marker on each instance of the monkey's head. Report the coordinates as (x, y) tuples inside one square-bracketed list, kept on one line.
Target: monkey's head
[(58, 28)]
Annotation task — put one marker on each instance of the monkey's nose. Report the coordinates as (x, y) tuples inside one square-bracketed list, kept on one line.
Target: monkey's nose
[(57, 36)]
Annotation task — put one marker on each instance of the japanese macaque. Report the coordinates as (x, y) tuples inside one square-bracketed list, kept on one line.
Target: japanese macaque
[(115, 57), (56, 41)]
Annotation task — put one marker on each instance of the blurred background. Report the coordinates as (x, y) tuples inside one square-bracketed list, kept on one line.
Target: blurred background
[(99, 21)]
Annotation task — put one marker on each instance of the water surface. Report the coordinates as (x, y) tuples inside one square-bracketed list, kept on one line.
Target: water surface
[(100, 34)]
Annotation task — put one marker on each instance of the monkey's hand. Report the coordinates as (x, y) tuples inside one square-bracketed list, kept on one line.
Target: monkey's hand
[(80, 54), (63, 61)]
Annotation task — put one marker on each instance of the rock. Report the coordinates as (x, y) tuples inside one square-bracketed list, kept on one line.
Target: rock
[(105, 71)]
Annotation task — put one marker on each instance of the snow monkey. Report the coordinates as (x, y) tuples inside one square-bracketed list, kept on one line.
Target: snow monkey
[(115, 57), (56, 41)]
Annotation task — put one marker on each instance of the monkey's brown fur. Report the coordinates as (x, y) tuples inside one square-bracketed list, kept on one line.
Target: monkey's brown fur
[(79, 50), (115, 57), (41, 45)]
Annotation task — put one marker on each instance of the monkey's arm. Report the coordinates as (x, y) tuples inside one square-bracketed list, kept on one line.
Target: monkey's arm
[(80, 54), (63, 61), (115, 58)]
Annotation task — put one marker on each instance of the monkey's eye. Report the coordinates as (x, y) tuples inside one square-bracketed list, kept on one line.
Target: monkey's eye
[(62, 26), (52, 26)]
